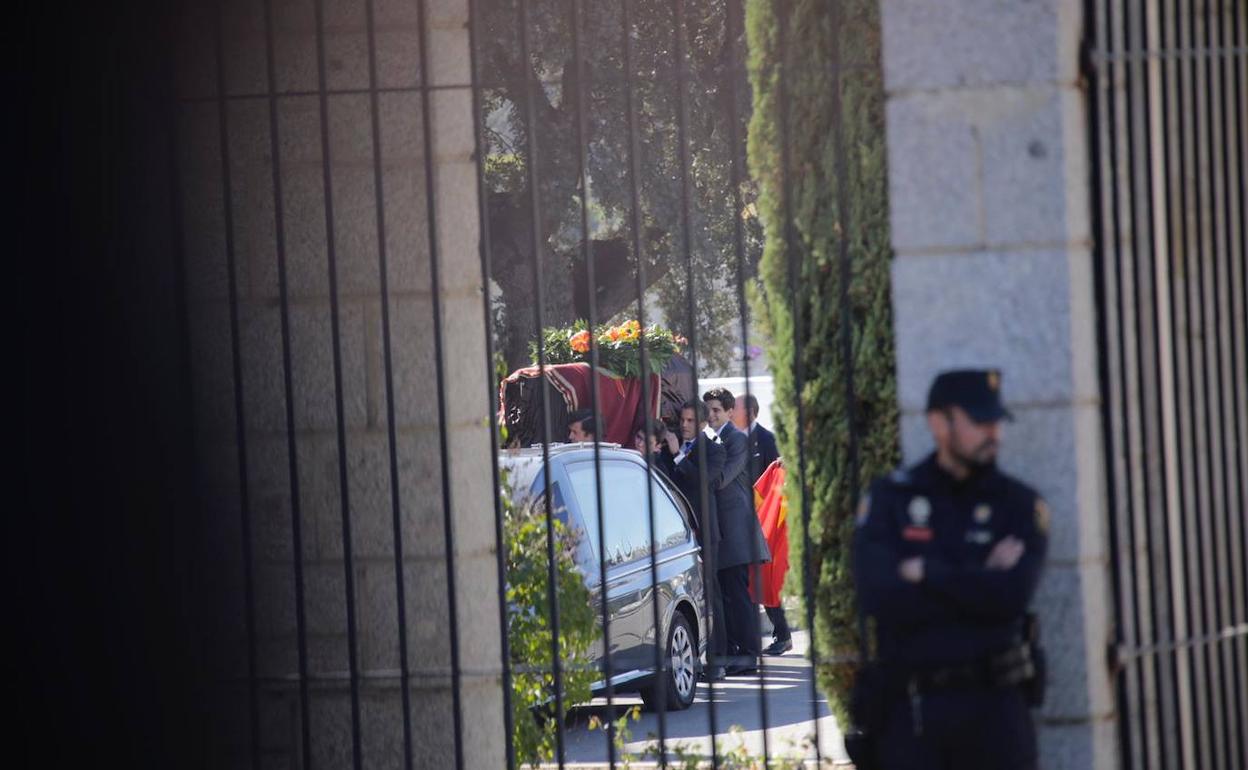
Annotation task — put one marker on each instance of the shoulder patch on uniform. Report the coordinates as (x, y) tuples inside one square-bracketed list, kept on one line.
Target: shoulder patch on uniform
[(864, 511), (1042, 516)]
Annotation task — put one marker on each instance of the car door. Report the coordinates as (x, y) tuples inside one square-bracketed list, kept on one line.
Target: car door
[(626, 555)]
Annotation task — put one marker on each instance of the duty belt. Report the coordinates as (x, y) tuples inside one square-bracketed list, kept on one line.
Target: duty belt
[(1009, 668)]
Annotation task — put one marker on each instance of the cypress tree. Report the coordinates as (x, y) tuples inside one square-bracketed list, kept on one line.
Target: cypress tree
[(796, 68)]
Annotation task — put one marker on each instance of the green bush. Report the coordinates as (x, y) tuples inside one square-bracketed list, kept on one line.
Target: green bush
[(529, 627), (813, 37)]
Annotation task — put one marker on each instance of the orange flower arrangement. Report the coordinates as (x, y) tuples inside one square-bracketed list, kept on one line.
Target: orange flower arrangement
[(579, 342), (619, 347)]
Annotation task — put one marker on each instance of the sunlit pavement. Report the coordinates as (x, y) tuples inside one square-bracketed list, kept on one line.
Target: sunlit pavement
[(790, 718)]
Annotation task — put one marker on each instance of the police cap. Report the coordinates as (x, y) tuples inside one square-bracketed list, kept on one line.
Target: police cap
[(977, 391)]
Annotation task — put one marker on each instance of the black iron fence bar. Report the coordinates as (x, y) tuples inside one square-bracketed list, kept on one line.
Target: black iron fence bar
[(344, 497), (1181, 232), (1234, 384), (539, 312), (240, 421), (738, 237), (591, 281), (1236, 111), (187, 554), (1193, 661), (1223, 422), (396, 507), (710, 576), (1104, 223), (634, 192), (1209, 415), (843, 213), (435, 283), (794, 264), (296, 513), (1150, 362), (480, 149), (1157, 734)]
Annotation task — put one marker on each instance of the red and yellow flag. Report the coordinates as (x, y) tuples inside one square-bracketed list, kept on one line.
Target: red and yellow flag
[(772, 509)]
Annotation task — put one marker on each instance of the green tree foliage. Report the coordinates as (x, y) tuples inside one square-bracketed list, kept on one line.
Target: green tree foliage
[(550, 77), (529, 627), (801, 310)]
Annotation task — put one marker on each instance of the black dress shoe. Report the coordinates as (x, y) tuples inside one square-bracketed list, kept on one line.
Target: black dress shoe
[(713, 674), (779, 647), (743, 665)]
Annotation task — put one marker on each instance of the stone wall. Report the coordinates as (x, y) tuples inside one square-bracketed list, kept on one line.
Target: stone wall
[(239, 220), (989, 191)]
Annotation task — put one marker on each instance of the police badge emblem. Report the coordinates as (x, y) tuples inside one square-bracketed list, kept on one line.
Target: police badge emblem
[(920, 511)]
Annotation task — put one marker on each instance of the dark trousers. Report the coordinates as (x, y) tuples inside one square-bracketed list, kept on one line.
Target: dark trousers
[(742, 620), (717, 646), (984, 729), (779, 624)]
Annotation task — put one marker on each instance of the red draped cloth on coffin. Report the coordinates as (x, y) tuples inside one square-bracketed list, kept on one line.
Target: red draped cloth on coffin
[(619, 398), (772, 509)]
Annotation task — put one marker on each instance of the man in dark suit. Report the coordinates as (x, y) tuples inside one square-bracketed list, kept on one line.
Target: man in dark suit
[(763, 450), (697, 464), (742, 543)]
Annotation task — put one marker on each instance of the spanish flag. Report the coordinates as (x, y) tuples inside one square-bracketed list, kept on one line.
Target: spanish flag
[(772, 510)]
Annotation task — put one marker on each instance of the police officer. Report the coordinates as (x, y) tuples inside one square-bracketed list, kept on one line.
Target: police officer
[(947, 555)]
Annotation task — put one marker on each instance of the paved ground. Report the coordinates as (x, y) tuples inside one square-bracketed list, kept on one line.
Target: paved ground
[(737, 703)]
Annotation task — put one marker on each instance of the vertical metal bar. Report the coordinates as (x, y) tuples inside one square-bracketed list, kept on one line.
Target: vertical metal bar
[(344, 485), (1237, 125), (591, 285), (1208, 427), (531, 131), (710, 561), (843, 213), (1099, 72), (240, 422), (296, 513), (435, 285), (846, 232), (1149, 404), (1223, 145), (738, 242), (1187, 277), (794, 260), (1139, 689), (1181, 538), (1129, 230), (478, 124), (396, 508), (275, 151), (634, 191)]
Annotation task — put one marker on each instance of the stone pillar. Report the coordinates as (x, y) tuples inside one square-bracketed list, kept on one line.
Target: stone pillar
[(410, 301), (989, 193)]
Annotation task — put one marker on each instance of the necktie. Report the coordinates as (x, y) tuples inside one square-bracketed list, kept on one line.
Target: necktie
[(687, 448)]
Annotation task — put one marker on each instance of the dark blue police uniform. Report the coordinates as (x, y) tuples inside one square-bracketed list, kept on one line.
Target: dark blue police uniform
[(952, 649)]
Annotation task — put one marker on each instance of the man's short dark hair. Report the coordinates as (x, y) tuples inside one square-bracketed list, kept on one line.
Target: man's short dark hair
[(699, 409), (751, 404), (657, 429), (722, 395), (586, 418)]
